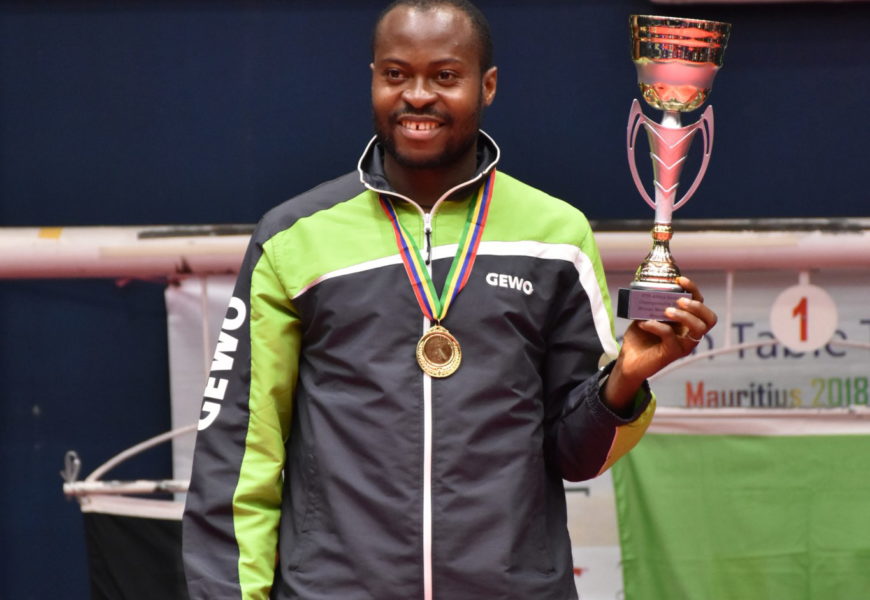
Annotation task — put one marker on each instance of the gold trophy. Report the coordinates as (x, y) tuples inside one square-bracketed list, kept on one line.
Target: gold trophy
[(676, 60)]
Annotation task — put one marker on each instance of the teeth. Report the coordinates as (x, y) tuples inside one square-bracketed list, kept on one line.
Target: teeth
[(420, 125)]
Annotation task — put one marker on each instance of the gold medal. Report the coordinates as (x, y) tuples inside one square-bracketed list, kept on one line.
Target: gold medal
[(438, 352)]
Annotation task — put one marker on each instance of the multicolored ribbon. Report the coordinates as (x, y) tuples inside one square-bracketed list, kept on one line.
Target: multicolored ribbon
[(434, 307)]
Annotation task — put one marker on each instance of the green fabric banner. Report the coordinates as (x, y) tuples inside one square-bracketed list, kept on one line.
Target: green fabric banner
[(738, 517)]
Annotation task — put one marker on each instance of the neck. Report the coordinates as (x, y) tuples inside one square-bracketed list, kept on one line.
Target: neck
[(426, 186)]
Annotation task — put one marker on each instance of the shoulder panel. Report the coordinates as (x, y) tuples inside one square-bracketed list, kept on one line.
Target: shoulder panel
[(522, 212), (320, 198)]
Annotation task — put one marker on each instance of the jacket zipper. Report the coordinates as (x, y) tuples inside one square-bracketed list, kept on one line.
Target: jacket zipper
[(427, 232), (427, 437)]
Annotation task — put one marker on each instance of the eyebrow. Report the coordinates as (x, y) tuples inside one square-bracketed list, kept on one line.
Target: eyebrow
[(438, 62)]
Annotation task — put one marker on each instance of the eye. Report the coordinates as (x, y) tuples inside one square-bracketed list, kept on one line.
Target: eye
[(446, 76), (393, 74)]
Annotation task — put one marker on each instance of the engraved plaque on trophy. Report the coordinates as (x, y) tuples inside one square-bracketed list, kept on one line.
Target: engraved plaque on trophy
[(676, 60)]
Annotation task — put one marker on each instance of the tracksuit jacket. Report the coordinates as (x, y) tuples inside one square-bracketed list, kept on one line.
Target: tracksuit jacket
[(328, 466)]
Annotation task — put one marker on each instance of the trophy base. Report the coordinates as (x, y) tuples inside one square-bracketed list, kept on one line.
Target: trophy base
[(646, 304)]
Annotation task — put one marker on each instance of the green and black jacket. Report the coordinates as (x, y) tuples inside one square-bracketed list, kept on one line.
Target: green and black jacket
[(328, 466)]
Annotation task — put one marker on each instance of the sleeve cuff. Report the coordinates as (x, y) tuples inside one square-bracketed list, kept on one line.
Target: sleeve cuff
[(641, 399)]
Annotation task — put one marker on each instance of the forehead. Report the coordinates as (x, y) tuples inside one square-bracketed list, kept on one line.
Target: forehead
[(436, 34)]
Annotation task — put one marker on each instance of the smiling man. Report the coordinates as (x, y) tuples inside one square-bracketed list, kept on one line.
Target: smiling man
[(416, 352)]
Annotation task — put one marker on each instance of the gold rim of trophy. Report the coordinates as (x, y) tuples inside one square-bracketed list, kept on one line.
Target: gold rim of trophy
[(438, 352)]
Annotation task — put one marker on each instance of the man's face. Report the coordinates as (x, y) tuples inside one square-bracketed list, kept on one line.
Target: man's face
[(427, 88)]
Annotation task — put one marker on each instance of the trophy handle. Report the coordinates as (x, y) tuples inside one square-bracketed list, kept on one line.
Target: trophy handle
[(636, 120), (705, 124)]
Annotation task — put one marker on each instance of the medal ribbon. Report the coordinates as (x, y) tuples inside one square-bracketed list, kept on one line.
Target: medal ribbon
[(435, 307)]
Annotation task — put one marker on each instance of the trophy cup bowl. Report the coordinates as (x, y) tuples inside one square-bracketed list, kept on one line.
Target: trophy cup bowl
[(676, 61)]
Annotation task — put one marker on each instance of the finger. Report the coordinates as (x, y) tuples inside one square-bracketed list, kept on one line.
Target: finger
[(699, 310), (689, 285), (661, 329), (687, 324)]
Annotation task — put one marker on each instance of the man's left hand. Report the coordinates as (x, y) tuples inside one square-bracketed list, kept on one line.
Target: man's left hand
[(649, 346)]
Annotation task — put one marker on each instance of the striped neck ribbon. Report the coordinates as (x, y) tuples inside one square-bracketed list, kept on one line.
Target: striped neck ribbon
[(434, 307)]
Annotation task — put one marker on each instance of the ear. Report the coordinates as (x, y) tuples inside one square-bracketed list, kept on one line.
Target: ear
[(372, 67), (489, 84)]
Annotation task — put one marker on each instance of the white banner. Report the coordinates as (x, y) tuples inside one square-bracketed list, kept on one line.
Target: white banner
[(195, 308)]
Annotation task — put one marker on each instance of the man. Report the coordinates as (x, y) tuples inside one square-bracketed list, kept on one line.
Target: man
[(409, 366)]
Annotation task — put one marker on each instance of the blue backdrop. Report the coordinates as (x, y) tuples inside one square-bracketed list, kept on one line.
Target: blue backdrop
[(212, 112)]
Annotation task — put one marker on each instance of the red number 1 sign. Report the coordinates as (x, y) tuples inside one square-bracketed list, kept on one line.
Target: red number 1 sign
[(803, 317)]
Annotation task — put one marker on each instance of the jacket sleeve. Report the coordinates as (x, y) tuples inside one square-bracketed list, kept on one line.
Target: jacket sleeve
[(230, 523), (583, 436)]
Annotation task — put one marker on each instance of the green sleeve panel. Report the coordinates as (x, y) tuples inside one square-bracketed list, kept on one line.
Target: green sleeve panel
[(275, 346)]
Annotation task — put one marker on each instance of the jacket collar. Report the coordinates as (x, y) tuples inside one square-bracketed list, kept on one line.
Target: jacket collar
[(372, 175)]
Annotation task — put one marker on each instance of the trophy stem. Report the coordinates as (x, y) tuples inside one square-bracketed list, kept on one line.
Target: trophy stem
[(671, 119), (658, 271)]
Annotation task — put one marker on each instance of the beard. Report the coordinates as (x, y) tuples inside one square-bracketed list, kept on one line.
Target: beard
[(453, 151)]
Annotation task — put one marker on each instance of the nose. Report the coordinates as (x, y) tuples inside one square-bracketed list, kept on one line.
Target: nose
[(418, 94)]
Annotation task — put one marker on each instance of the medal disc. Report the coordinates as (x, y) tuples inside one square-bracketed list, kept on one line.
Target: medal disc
[(438, 352)]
